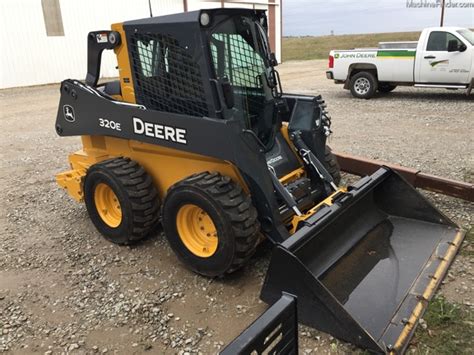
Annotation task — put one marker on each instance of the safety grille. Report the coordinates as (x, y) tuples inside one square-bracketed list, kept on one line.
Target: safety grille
[(166, 76)]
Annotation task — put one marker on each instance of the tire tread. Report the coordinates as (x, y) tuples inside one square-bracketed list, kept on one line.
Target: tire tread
[(143, 196), (237, 206)]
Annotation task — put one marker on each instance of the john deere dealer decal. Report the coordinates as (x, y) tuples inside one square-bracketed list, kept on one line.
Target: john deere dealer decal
[(354, 55), (438, 62)]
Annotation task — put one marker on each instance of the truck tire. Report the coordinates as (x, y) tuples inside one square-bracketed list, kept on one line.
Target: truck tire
[(332, 165), (386, 87), (210, 224), (363, 85), (121, 200)]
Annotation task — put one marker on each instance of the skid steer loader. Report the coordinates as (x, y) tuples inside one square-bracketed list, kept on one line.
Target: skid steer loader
[(197, 134)]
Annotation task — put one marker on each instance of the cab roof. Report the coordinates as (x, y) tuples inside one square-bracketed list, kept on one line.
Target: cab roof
[(191, 16)]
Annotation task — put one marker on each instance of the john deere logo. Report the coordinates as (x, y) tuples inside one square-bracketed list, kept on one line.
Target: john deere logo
[(68, 113), (336, 55)]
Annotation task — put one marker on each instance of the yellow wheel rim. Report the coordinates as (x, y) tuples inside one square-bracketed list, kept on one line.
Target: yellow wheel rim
[(107, 205), (197, 230)]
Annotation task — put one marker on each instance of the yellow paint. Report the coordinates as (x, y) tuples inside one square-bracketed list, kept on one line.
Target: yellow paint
[(166, 166), (107, 205), (429, 291), (124, 67), (296, 220), (117, 97), (72, 181), (197, 231), (284, 132), (295, 174)]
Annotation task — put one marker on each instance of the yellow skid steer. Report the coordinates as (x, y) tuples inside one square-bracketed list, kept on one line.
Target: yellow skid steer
[(197, 134)]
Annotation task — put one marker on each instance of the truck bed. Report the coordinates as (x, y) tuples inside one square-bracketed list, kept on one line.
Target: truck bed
[(398, 45)]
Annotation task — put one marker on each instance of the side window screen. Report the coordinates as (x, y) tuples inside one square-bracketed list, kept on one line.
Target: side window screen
[(166, 76), (438, 41)]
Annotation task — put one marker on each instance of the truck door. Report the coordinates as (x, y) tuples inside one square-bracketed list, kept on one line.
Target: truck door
[(437, 65)]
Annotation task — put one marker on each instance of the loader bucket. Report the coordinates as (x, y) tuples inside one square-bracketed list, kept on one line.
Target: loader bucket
[(364, 268)]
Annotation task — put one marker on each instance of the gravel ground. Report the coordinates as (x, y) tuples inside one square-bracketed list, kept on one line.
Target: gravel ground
[(64, 289)]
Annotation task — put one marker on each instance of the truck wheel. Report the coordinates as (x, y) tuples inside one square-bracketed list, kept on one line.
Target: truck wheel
[(210, 224), (332, 165), (121, 200), (386, 87), (363, 85)]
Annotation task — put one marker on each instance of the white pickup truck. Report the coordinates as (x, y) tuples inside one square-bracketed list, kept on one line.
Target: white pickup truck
[(443, 57)]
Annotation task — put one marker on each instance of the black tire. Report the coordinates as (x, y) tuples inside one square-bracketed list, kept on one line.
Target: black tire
[(363, 85), (386, 87), (138, 198), (332, 165), (231, 211)]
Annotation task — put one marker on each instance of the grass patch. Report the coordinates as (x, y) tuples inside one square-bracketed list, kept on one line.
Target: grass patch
[(303, 48), (450, 329), (467, 248)]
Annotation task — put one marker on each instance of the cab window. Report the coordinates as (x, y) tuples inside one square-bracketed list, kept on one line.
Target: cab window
[(438, 41)]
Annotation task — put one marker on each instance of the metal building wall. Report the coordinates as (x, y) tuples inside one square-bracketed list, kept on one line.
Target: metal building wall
[(29, 57)]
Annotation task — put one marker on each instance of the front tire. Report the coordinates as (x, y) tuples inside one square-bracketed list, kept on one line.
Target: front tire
[(363, 85), (210, 224), (121, 200)]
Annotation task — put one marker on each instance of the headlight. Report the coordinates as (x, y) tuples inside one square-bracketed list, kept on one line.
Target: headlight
[(205, 19)]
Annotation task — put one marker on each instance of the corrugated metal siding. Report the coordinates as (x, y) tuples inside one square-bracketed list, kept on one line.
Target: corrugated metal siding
[(30, 57), (166, 7)]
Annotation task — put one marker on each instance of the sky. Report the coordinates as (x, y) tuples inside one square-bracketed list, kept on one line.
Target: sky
[(319, 17)]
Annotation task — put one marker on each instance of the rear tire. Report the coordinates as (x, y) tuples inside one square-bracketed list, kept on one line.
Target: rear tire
[(386, 87), (121, 200), (363, 85), (210, 224), (332, 165)]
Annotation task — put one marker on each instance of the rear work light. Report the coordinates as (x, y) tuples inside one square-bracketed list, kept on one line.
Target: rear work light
[(331, 62)]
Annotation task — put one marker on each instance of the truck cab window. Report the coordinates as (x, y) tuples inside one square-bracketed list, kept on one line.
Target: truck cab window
[(438, 41)]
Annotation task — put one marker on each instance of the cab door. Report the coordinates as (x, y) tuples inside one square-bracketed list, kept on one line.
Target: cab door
[(437, 65)]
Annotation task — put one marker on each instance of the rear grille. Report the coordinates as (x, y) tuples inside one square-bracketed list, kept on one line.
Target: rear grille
[(166, 77)]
